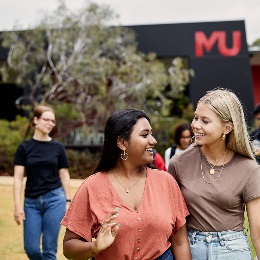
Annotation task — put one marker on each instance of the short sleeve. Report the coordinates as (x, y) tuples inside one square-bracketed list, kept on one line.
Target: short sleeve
[(20, 158), (78, 218), (252, 188), (180, 206), (63, 161)]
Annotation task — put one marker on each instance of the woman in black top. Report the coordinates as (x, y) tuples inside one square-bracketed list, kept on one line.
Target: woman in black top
[(47, 187)]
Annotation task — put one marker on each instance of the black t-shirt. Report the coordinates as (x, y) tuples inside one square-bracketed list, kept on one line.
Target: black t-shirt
[(42, 161)]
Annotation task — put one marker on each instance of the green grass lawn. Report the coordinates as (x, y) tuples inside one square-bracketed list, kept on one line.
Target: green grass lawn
[(11, 235), (246, 225)]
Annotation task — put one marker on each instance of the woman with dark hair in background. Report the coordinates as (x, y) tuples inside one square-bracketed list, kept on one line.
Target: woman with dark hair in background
[(132, 211), (182, 141), (47, 188)]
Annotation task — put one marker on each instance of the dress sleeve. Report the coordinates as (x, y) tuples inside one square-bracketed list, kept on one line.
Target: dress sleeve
[(252, 188), (79, 218)]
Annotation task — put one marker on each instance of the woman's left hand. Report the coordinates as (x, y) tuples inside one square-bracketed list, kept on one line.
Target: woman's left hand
[(107, 232)]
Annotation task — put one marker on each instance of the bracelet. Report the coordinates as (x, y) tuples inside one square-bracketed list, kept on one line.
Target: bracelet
[(68, 200)]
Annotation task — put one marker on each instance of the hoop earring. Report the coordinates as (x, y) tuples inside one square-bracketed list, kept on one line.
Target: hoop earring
[(223, 137), (124, 155)]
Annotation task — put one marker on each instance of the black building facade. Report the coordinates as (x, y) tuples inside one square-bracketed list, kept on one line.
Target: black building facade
[(217, 52)]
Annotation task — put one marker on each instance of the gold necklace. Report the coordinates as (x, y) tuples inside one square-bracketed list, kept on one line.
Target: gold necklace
[(128, 189), (203, 177), (209, 182), (212, 170)]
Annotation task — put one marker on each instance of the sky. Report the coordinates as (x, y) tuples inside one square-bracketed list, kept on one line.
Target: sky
[(141, 12)]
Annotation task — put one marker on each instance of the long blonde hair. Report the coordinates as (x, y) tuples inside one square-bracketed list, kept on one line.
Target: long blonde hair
[(228, 107)]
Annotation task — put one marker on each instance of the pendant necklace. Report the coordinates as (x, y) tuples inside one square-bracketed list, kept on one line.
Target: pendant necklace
[(209, 182), (128, 189), (212, 170)]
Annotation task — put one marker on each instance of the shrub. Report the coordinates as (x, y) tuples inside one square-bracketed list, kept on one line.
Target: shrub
[(11, 134), (82, 163)]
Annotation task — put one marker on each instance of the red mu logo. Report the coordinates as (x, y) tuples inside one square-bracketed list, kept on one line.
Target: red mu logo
[(219, 37)]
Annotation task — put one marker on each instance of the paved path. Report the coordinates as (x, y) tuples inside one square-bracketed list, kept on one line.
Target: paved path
[(8, 180)]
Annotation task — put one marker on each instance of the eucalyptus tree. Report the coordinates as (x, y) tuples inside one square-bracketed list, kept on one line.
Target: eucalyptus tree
[(88, 60), (256, 42)]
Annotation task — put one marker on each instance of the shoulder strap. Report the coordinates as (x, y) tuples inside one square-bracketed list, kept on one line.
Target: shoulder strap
[(173, 149)]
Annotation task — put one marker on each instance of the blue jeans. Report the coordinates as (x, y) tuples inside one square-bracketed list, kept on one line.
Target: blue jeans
[(223, 245), (42, 218), (167, 255)]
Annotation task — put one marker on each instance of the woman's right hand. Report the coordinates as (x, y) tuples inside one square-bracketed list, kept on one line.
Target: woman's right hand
[(107, 232), (18, 214)]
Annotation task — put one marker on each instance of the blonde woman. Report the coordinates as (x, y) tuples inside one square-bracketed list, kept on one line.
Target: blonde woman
[(218, 178), (47, 187)]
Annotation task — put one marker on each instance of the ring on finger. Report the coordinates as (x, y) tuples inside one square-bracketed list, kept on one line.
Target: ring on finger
[(101, 229), (114, 233)]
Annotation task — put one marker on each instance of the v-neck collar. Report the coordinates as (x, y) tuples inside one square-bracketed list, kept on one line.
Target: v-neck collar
[(119, 200)]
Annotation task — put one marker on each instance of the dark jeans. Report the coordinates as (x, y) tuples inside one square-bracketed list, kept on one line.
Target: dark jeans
[(167, 255)]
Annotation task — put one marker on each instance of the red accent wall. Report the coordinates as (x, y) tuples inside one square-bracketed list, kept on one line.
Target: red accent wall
[(256, 82)]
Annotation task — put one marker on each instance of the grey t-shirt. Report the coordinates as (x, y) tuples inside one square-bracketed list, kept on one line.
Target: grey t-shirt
[(218, 206)]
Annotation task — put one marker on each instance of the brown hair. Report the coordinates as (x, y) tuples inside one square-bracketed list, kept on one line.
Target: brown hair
[(179, 130), (39, 110)]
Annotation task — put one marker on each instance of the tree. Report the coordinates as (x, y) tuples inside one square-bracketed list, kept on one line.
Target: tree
[(256, 43), (81, 59)]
